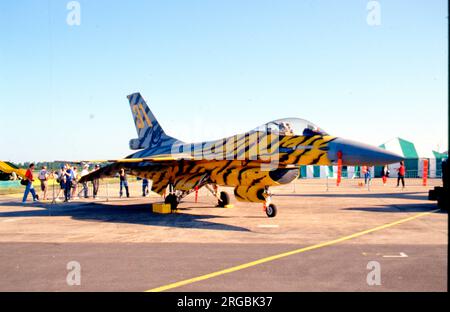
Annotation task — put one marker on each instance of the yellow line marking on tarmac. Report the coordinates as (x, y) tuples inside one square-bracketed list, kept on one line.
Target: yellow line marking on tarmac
[(285, 254)]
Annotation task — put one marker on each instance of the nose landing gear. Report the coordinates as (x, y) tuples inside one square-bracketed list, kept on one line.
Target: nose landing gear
[(269, 208)]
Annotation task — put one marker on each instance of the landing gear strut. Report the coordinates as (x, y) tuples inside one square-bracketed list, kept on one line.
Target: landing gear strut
[(269, 208), (223, 198)]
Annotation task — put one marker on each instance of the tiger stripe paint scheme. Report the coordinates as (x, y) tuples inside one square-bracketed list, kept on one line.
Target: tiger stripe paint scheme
[(150, 133), (247, 174), (249, 162)]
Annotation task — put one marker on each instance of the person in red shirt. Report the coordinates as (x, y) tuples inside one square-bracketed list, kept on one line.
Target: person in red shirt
[(385, 174), (29, 187), (401, 174)]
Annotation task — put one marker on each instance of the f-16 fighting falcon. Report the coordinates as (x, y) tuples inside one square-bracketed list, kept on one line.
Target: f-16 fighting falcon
[(251, 162)]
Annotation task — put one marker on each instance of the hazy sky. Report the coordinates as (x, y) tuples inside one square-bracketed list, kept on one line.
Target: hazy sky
[(212, 68)]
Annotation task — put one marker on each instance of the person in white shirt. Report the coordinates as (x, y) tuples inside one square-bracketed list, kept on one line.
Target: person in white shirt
[(85, 189), (43, 177)]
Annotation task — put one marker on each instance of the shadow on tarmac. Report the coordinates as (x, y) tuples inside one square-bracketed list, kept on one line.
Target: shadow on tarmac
[(419, 207), (400, 208), (133, 214), (399, 195)]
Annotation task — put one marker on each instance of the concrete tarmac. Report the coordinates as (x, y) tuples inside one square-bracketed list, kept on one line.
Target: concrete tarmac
[(121, 246)]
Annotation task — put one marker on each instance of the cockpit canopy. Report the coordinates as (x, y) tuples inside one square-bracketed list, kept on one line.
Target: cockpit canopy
[(291, 126)]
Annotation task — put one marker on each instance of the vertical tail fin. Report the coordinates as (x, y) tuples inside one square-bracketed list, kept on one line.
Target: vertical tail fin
[(150, 133)]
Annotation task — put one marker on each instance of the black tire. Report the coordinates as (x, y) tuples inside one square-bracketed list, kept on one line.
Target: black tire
[(442, 202), (271, 211), (432, 195), (172, 200), (224, 199)]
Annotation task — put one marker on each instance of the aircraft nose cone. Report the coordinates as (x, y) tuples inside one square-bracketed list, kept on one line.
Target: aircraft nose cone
[(356, 153)]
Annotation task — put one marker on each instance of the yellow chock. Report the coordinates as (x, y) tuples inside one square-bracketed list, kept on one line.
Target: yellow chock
[(228, 206), (161, 208)]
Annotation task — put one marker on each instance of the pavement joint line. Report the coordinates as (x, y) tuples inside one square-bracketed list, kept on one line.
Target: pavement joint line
[(286, 254)]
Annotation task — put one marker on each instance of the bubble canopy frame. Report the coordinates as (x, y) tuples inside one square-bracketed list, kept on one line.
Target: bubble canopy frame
[(291, 126)]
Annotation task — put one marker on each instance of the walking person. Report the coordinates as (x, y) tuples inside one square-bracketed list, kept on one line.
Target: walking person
[(29, 185), (401, 174), (144, 187), (123, 182), (95, 183), (385, 174), (43, 178)]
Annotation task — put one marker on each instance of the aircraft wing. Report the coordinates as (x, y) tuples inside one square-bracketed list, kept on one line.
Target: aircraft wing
[(8, 168), (114, 165), (158, 158), (185, 174)]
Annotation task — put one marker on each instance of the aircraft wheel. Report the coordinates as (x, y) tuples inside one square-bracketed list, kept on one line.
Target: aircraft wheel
[(172, 200), (224, 199), (271, 211)]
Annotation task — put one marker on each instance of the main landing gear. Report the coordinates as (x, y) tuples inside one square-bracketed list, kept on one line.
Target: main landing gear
[(269, 208), (223, 199), (174, 197)]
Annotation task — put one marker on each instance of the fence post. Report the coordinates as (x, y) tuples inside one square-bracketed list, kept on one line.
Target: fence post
[(53, 191), (339, 173), (425, 172), (107, 192)]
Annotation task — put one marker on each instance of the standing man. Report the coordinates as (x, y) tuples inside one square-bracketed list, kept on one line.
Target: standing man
[(123, 182), (29, 186), (61, 179), (43, 177), (144, 187), (69, 179), (95, 183), (367, 175), (364, 172), (75, 179), (84, 172), (401, 174)]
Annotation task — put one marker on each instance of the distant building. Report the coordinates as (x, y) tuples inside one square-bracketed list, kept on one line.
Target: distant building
[(414, 159)]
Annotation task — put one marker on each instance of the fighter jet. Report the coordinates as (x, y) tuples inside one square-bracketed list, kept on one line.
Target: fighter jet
[(251, 162)]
